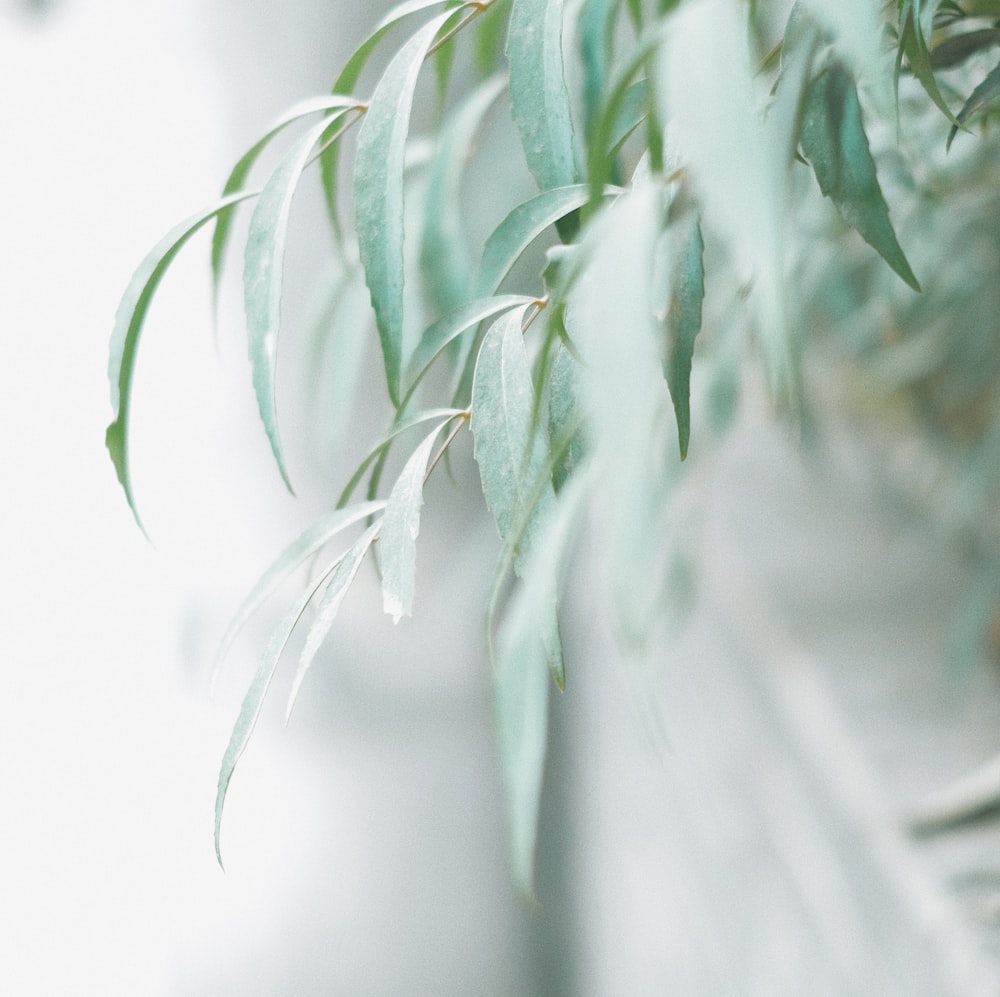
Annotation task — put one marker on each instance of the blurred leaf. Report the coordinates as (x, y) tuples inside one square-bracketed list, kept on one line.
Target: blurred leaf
[(294, 556), (982, 100), (520, 228), (240, 172), (915, 19), (400, 528), (129, 319), (347, 81), (342, 575), (564, 416), (437, 336), (955, 50), (596, 30), (834, 141), (857, 31), (683, 324), (540, 104), (444, 250), (262, 280), (378, 192)]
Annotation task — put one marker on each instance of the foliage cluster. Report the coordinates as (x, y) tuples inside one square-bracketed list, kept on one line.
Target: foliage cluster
[(677, 149)]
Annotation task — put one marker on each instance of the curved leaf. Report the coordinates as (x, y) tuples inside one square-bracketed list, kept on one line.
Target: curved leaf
[(521, 227), (400, 528), (341, 577), (444, 252), (294, 556), (262, 280), (834, 141), (982, 100), (236, 179), (378, 193), (129, 320), (540, 104), (915, 21)]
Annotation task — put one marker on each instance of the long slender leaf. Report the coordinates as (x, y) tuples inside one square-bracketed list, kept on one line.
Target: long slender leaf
[(444, 251), (521, 227), (378, 192), (834, 141), (294, 556), (129, 320), (914, 25), (340, 580), (400, 528), (564, 415), (262, 281), (983, 99), (240, 172), (540, 104), (683, 325)]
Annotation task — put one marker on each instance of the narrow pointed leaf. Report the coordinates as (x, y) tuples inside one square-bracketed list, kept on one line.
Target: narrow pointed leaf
[(521, 227), (955, 50), (437, 336), (400, 528), (262, 281), (129, 320), (540, 104), (834, 141), (340, 580), (597, 23), (240, 172), (444, 250), (294, 556), (983, 99), (913, 44), (253, 702), (378, 193), (564, 416), (683, 325), (347, 81)]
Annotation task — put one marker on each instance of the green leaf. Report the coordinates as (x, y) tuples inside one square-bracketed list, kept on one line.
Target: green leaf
[(400, 528), (378, 193), (982, 100), (834, 141), (683, 325), (597, 28), (955, 50), (437, 336), (348, 79), (262, 280), (129, 320), (564, 415), (240, 172), (914, 23), (341, 577), (540, 104), (444, 251), (294, 556), (521, 227)]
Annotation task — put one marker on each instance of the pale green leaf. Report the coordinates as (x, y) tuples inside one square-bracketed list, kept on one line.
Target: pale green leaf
[(444, 250), (400, 528), (540, 104), (378, 192), (341, 577), (982, 100), (262, 280), (294, 556), (564, 415), (129, 320), (683, 324), (520, 228), (597, 27), (834, 141), (240, 172), (915, 24)]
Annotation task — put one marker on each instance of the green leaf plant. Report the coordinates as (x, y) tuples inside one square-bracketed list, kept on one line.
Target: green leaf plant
[(666, 151)]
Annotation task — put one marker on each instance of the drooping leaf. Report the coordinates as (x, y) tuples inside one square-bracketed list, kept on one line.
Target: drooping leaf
[(596, 30), (401, 424), (520, 228), (347, 80), (437, 336), (378, 193), (400, 527), (444, 250), (293, 557), (540, 103), (834, 141), (955, 50), (982, 100), (683, 324), (340, 580), (263, 268), (565, 430), (240, 172), (129, 320), (915, 23)]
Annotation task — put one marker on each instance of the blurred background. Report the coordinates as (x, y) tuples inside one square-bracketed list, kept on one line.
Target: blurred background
[(728, 819)]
